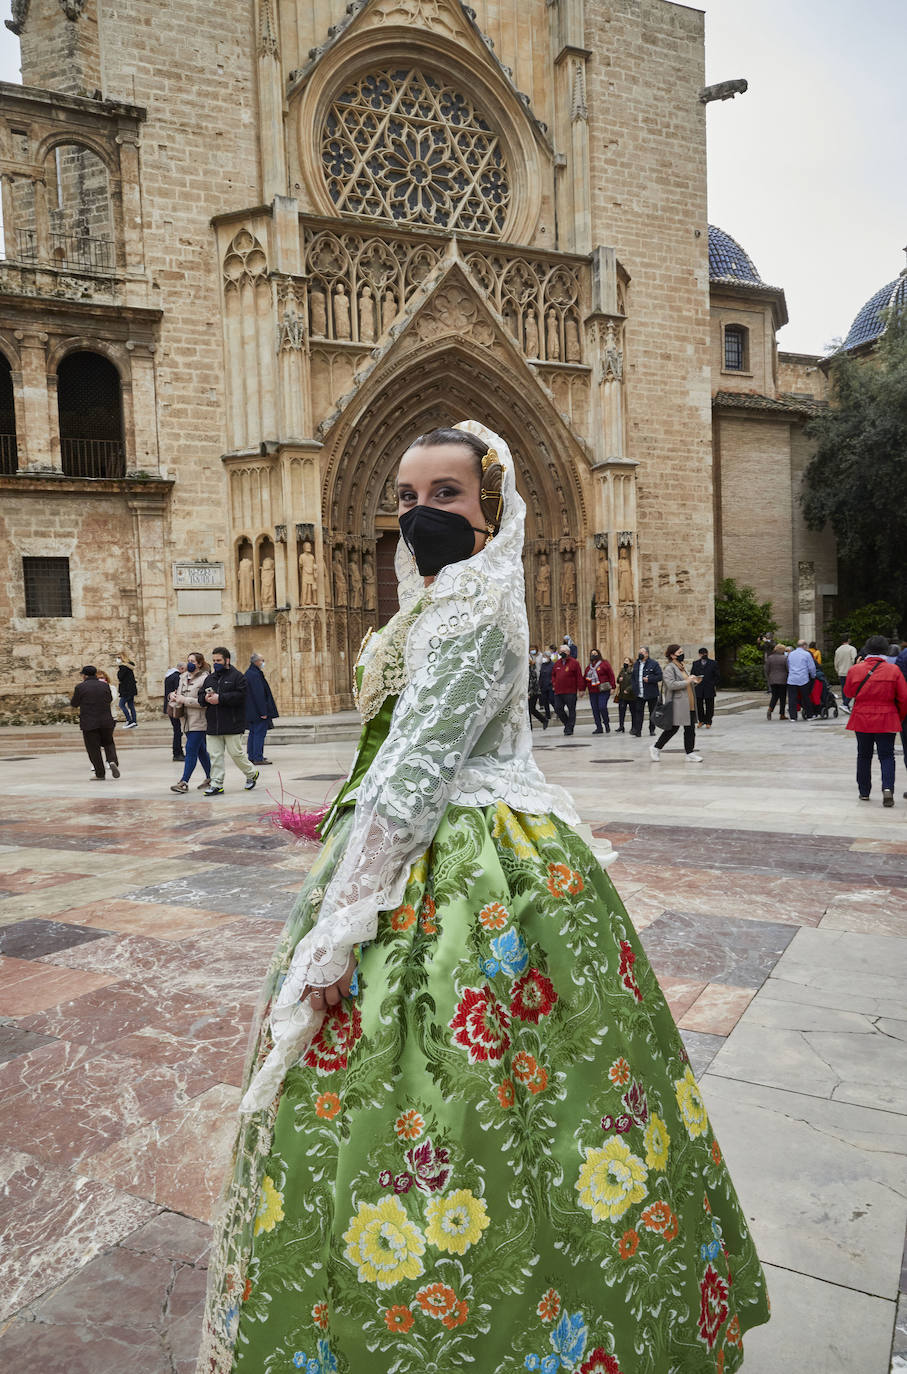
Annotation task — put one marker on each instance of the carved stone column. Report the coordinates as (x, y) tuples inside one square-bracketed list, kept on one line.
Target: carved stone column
[(270, 103), (153, 592), (145, 456), (35, 424)]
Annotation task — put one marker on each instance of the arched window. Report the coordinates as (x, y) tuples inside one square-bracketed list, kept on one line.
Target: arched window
[(402, 143), (91, 417), (9, 459), (736, 348), (81, 225)]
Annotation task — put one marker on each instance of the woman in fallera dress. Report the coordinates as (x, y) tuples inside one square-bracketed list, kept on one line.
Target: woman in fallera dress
[(470, 1135)]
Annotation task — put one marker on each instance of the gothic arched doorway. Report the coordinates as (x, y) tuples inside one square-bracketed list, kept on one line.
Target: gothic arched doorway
[(440, 384)]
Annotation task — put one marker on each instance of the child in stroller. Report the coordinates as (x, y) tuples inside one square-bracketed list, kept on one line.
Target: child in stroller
[(824, 701)]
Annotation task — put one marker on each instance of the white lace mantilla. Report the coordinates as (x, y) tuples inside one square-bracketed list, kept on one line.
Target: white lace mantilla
[(459, 734)]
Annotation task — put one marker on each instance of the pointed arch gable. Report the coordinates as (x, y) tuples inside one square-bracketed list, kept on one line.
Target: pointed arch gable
[(447, 381)]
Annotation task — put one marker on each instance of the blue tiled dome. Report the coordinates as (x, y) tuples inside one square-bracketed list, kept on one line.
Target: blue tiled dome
[(727, 260), (869, 323)]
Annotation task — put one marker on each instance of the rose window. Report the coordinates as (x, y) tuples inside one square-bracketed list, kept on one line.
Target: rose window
[(402, 144)]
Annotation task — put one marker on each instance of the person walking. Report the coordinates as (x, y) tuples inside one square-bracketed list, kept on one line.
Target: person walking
[(878, 704), (624, 695), (223, 693), (574, 651), (128, 688), (680, 699), (93, 700), (171, 682), (105, 678), (567, 680), (776, 678), (546, 686), (801, 670), (534, 695), (261, 710), (601, 683), (706, 670), (845, 658), (185, 697), (646, 677)]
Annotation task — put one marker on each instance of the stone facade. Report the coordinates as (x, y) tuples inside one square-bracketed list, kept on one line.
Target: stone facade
[(762, 401), (330, 226)]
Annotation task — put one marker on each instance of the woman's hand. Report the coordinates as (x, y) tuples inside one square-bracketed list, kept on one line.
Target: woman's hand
[(322, 998)]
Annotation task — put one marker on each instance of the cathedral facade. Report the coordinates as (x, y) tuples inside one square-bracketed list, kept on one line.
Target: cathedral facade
[(253, 247)]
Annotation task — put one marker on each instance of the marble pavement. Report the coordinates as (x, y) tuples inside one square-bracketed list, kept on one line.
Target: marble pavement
[(135, 926)]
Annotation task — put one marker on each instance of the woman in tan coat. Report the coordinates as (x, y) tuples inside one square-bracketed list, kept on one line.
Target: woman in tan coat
[(680, 699), (186, 696)]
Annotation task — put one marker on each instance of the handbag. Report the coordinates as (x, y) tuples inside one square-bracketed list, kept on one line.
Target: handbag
[(662, 716), (175, 710)]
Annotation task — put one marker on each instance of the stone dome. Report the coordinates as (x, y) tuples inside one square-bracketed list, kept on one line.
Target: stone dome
[(727, 260), (869, 323)]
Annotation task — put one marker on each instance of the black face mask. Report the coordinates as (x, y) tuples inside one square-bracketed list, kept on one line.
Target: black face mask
[(437, 537)]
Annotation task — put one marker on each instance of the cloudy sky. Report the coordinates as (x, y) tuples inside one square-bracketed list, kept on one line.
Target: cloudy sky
[(807, 168)]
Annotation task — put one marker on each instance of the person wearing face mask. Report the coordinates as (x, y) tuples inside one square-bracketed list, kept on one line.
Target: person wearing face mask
[(128, 688), (223, 694), (261, 710), (444, 1015), (171, 683), (601, 683), (646, 677), (568, 682), (680, 698), (625, 694), (184, 699)]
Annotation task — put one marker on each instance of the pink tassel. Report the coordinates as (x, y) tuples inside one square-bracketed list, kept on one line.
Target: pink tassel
[(303, 825)]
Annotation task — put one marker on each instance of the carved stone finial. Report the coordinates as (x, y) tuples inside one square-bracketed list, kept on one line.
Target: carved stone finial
[(268, 45), (19, 16), (72, 8)]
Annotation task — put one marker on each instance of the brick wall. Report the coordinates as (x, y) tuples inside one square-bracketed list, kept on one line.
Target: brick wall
[(757, 545)]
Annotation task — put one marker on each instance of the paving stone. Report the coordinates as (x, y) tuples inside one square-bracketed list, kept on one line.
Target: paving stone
[(243, 891), (717, 1009), (15, 1041), (171, 1236), (701, 1049), (716, 948), (27, 986), (821, 1182), (30, 939), (819, 1328)]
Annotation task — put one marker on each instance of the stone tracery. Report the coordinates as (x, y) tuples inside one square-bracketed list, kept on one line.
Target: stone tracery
[(403, 144)]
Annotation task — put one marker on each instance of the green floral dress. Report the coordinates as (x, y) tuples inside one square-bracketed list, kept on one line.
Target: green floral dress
[(495, 1154)]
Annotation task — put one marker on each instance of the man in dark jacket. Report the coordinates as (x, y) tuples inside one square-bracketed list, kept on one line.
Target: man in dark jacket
[(223, 692), (171, 682), (546, 690), (92, 696), (567, 681), (261, 710), (706, 669), (646, 677)]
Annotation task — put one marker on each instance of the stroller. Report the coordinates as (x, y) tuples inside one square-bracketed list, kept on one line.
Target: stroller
[(824, 701)]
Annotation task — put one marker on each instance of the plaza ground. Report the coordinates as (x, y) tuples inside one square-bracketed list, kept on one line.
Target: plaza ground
[(135, 926)]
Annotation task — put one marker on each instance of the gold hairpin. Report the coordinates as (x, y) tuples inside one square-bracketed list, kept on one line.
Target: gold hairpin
[(489, 458)]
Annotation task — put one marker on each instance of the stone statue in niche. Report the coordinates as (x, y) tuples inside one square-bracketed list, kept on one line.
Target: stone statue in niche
[(603, 583), (369, 583), (625, 590), (568, 581), (388, 311), (319, 313), (308, 589), (574, 349), (366, 315), (553, 338), (268, 592), (342, 329), (532, 335), (338, 577), (388, 502), (246, 584), (355, 585), (543, 583)]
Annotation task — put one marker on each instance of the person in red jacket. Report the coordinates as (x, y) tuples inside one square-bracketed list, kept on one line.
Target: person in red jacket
[(567, 681), (600, 681), (878, 694)]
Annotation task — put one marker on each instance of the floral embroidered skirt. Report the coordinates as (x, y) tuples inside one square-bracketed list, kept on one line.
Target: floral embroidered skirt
[(496, 1155)]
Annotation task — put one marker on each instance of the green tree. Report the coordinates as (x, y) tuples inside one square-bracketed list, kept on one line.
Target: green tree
[(739, 617), (857, 479), (878, 618)]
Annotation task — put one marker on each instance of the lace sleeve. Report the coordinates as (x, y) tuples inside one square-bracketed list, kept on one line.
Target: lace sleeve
[(460, 672)]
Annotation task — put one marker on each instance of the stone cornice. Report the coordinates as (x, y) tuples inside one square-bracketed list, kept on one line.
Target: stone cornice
[(56, 483)]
